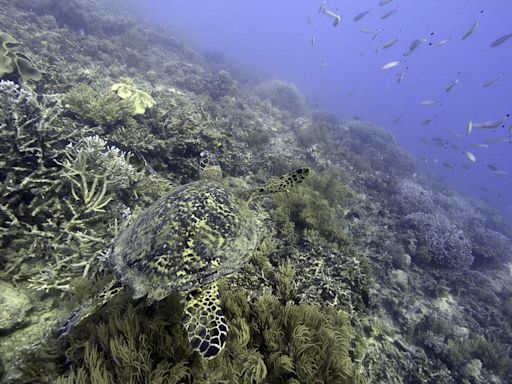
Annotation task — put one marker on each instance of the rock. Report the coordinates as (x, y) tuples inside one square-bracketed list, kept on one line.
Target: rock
[(15, 305)]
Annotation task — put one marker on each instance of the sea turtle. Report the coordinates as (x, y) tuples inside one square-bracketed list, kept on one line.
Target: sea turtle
[(186, 241)]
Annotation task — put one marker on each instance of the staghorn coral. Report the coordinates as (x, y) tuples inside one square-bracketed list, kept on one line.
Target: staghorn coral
[(490, 247), (446, 244), (411, 197)]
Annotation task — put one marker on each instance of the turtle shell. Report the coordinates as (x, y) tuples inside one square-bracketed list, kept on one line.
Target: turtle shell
[(188, 238)]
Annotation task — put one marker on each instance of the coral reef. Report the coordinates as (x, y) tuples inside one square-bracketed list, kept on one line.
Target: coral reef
[(285, 96), (369, 272), (445, 244)]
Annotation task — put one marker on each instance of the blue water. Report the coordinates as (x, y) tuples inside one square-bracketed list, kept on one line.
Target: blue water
[(342, 71)]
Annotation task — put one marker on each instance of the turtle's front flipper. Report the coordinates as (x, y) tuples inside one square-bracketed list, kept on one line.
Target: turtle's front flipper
[(284, 182), (204, 321), (89, 307)]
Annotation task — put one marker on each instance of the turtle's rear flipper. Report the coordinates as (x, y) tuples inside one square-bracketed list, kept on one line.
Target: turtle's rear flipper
[(204, 321), (88, 308), (283, 182)]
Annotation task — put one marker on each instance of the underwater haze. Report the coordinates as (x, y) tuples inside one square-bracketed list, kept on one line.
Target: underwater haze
[(339, 69), (255, 192)]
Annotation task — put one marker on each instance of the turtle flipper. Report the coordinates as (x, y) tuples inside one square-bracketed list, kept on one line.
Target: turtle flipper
[(283, 182), (89, 307), (204, 321)]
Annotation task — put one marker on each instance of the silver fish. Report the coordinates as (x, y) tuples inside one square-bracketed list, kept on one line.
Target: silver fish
[(400, 77), (490, 82), (377, 33), (428, 102), (426, 122), (313, 40), (471, 157), (384, 2), (328, 12), (488, 124), (387, 14), (452, 84), (361, 15), (391, 64), (366, 30), (471, 30), (501, 40), (442, 42), (416, 43), (390, 43), (470, 126)]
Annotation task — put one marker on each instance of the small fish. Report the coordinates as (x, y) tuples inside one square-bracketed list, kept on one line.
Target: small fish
[(322, 6), (491, 167), (481, 146), (428, 102), (452, 84), (323, 64), (470, 31), (442, 42), (500, 40), (384, 2), (439, 139), (391, 64), (390, 43), (470, 126), (490, 82), (426, 122), (455, 147), (416, 43), (397, 119), (361, 15), (446, 165), (471, 157), (400, 77), (366, 30), (328, 12), (488, 124), (313, 40), (500, 173), (377, 33), (387, 14)]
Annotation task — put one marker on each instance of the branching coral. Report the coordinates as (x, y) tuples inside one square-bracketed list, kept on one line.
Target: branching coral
[(411, 197), (98, 108), (448, 246)]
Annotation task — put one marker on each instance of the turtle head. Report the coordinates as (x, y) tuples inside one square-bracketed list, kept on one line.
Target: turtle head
[(209, 167)]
